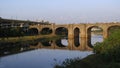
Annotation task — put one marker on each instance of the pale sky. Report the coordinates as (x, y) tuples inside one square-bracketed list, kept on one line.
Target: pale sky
[(62, 11)]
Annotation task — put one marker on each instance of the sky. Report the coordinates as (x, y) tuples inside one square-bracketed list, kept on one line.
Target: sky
[(62, 11)]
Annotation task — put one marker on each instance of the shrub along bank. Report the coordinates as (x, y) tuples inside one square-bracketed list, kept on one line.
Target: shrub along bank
[(110, 48)]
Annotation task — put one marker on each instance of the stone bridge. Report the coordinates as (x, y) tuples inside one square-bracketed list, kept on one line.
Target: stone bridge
[(83, 28)]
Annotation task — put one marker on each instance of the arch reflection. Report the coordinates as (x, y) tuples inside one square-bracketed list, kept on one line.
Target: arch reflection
[(76, 37)]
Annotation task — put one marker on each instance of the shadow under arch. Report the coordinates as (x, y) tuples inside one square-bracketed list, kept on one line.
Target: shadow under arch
[(46, 31), (59, 43), (61, 31), (77, 37), (33, 31), (111, 29), (92, 33), (46, 43)]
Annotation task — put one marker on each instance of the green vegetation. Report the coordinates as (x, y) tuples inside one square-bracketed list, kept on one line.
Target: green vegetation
[(107, 55), (12, 32), (92, 61), (113, 29), (110, 48)]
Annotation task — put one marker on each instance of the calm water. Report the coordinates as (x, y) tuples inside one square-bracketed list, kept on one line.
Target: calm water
[(41, 57)]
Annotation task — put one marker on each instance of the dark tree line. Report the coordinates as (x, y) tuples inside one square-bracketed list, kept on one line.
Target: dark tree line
[(12, 32)]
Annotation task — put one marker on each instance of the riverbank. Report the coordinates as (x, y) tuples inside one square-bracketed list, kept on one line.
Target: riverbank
[(91, 61), (28, 38), (96, 61)]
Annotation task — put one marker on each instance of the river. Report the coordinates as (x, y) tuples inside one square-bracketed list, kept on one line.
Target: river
[(37, 57)]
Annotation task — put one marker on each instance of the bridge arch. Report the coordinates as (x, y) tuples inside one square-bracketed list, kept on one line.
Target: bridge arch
[(76, 32), (94, 32), (46, 30), (112, 28), (61, 31), (33, 31)]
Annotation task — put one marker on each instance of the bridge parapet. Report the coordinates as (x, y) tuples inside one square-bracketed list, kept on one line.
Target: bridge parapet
[(63, 25)]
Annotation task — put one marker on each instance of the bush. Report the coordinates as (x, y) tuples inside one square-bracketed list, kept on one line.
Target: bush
[(69, 63), (110, 48)]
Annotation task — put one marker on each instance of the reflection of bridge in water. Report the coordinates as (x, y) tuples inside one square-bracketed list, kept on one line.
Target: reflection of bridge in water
[(58, 45), (11, 48), (83, 30)]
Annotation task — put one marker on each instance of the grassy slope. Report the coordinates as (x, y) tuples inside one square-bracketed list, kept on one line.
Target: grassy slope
[(96, 61), (91, 61)]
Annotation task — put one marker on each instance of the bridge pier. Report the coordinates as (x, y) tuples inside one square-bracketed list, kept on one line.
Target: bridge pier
[(39, 31), (70, 31), (53, 29), (70, 43), (83, 31), (105, 33)]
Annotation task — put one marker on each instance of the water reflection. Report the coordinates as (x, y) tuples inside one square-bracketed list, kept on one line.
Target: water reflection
[(59, 43), (96, 38), (77, 42), (41, 58), (13, 48), (43, 53), (46, 43), (64, 43)]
